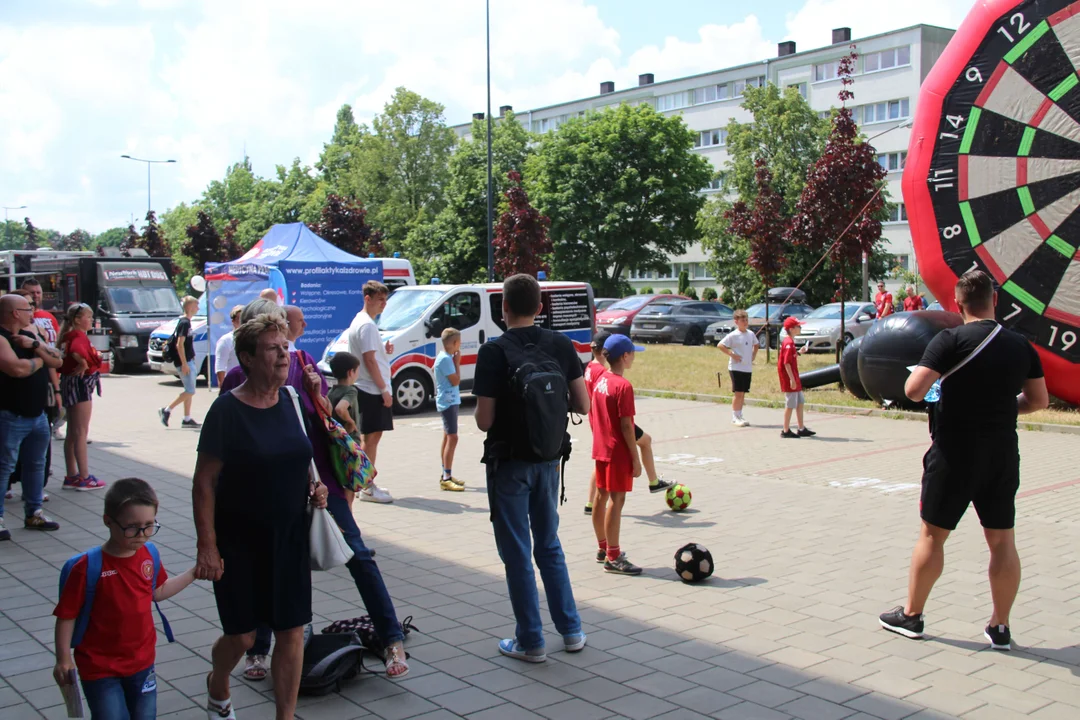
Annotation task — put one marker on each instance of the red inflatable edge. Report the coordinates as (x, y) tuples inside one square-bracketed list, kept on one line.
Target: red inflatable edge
[(1060, 373)]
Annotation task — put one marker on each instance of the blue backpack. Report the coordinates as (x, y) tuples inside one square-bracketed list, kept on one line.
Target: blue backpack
[(93, 574)]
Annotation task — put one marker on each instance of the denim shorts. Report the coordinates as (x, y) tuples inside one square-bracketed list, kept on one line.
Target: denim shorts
[(450, 420), (133, 697), (189, 378)]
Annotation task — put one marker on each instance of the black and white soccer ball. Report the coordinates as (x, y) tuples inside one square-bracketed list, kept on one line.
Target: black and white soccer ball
[(693, 563)]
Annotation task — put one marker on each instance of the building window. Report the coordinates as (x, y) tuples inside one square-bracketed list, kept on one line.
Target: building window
[(826, 114), (892, 162), (674, 101), (665, 273), (884, 111), (741, 85), (711, 138), (895, 57), (714, 184), (826, 71), (900, 262), (701, 271), (801, 87), (897, 213)]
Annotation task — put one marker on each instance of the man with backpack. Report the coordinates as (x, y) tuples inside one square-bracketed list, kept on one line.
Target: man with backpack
[(527, 381)]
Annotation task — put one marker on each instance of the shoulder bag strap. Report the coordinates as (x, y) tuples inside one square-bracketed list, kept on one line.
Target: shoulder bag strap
[(303, 426), (982, 346)]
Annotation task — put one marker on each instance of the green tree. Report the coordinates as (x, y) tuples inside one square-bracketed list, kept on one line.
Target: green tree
[(622, 189), (684, 282), (340, 157), (402, 167), (109, 238), (453, 246), (30, 238)]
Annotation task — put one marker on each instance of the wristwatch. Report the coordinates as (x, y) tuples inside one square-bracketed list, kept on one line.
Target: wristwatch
[(36, 345)]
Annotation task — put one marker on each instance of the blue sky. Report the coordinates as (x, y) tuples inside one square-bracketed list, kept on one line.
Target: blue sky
[(82, 82)]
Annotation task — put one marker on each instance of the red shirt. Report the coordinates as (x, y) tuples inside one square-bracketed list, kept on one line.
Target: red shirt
[(120, 637), (593, 371), (884, 303), (789, 356), (76, 342), (912, 303), (612, 400), (49, 327)]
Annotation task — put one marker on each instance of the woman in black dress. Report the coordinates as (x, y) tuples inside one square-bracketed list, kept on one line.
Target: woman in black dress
[(251, 490)]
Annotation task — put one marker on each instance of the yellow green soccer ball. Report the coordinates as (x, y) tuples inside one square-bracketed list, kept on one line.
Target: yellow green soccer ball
[(678, 497)]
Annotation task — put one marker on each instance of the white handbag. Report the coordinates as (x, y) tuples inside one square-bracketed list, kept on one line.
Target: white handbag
[(327, 545)]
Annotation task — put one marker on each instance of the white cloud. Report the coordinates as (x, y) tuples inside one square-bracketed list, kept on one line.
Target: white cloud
[(811, 26)]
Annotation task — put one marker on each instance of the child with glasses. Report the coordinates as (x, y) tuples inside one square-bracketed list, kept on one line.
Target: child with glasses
[(115, 658)]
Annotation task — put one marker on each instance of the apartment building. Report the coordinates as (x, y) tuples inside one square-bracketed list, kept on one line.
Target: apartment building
[(889, 72)]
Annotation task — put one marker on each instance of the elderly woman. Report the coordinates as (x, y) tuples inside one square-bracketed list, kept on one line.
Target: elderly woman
[(252, 485)]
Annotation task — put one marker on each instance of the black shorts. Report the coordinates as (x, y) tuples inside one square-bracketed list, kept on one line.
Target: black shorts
[(983, 472), (638, 432), (740, 381), (374, 416)]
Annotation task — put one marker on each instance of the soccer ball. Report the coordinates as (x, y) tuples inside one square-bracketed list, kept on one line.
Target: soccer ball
[(693, 563), (678, 497)]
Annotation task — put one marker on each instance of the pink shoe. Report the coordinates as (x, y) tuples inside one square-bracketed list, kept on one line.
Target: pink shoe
[(71, 482), (90, 483)]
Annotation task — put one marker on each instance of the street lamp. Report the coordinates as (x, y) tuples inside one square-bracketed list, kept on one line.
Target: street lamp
[(148, 163), (490, 199), (865, 258), (7, 233)]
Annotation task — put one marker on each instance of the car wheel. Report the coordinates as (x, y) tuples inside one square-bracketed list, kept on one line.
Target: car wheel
[(412, 391), (694, 336), (848, 339), (763, 339)]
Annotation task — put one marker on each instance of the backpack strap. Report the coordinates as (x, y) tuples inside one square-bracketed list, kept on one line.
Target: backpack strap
[(93, 574), (156, 557)]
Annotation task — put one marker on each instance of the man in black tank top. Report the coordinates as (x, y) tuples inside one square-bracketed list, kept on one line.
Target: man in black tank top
[(24, 383), (989, 376)]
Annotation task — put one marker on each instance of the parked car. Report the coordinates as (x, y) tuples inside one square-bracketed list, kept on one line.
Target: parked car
[(678, 321), (935, 306), (777, 313), (601, 304), (618, 317), (821, 328)]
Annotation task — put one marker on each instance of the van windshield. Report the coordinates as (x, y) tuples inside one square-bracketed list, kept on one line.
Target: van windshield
[(406, 307), (137, 299)]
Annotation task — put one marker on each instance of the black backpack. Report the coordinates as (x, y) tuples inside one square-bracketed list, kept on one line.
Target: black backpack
[(168, 350), (540, 385), (329, 661)]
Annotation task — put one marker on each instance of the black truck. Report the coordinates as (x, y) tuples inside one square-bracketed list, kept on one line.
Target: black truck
[(130, 296)]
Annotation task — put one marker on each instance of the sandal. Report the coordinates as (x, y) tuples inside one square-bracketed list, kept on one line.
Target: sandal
[(256, 668), (222, 709), (397, 665)]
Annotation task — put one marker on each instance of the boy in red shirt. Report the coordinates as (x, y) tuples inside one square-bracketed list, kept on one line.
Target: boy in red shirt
[(787, 365), (614, 451), (116, 656)]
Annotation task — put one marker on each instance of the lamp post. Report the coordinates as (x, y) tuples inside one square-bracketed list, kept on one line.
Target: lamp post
[(7, 233), (865, 257), (490, 199), (148, 164)]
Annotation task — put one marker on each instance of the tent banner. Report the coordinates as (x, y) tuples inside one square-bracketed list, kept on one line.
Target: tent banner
[(222, 296), (330, 294)]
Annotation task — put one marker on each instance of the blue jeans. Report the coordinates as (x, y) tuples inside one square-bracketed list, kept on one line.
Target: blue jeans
[(263, 636), (524, 497), (124, 698), (366, 574), (31, 437)]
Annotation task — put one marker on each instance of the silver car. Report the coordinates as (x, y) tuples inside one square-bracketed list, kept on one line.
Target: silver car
[(821, 328)]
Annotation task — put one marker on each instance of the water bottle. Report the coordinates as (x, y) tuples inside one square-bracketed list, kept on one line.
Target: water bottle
[(934, 393)]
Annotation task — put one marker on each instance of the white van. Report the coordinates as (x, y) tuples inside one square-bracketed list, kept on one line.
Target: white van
[(415, 316)]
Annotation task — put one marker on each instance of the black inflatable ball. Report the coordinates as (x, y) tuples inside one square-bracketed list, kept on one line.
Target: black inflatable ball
[(849, 369), (693, 563), (894, 343)]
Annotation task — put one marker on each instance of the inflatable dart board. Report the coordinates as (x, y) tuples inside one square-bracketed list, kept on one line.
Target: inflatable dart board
[(993, 172)]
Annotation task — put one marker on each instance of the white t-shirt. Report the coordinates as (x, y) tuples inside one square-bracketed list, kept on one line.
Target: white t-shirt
[(225, 354), (364, 337), (742, 343)]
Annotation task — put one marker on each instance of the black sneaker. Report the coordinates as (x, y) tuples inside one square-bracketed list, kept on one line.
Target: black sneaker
[(622, 566), (907, 625), (661, 485), (190, 423), (806, 432), (999, 636), (38, 521), (788, 434), (588, 509), (601, 556), (163, 415)]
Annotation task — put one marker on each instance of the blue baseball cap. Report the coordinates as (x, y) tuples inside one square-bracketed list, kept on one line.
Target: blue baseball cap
[(618, 345)]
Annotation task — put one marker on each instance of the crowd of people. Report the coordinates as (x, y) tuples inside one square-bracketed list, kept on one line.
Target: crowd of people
[(264, 458)]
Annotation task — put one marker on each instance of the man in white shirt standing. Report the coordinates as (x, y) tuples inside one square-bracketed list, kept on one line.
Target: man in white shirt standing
[(224, 352), (373, 382), (741, 347)]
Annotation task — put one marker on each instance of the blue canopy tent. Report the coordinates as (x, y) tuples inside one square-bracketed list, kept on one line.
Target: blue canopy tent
[(304, 270)]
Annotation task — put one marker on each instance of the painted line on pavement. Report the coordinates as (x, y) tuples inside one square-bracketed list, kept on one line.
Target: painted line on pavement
[(732, 431), (1048, 488), (827, 461)]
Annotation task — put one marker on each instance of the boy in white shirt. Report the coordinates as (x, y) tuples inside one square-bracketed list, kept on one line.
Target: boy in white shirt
[(741, 347)]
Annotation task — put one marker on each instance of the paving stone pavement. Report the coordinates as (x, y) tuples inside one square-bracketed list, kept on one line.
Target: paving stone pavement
[(811, 540)]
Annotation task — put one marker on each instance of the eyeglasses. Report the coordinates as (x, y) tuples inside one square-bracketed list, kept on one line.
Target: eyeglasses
[(134, 531), (25, 309)]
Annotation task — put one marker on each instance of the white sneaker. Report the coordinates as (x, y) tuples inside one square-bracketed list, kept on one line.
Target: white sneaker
[(741, 422), (376, 495)]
